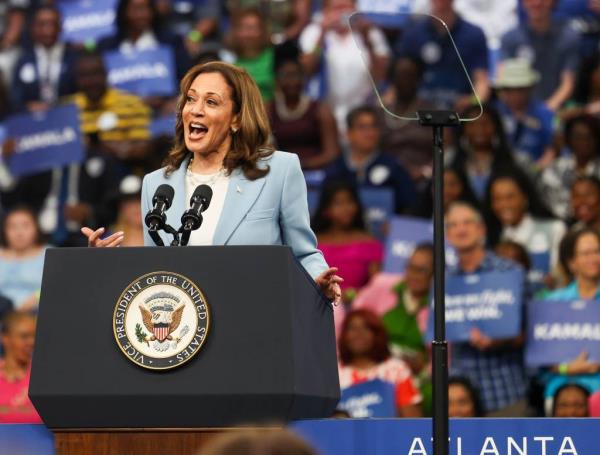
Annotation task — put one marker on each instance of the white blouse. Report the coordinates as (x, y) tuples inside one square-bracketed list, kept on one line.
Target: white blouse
[(219, 183)]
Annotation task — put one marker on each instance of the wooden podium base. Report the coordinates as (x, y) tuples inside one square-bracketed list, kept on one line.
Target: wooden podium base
[(135, 441)]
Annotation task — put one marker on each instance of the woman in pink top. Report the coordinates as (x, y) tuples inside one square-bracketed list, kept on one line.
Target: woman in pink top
[(343, 238), (18, 334)]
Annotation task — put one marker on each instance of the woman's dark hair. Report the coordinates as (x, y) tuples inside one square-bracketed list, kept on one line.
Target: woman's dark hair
[(415, 60), (424, 208), (587, 178), (320, 222), (358, 111), (522, 255), (471, 391), (566, 248), (426, 247), (587, 120), (503, 157), (12, 318), (287, 52), (536, 207), (568, 385), (121, 19), (581, 94), (238, 15), (39, 238), (379, 351)]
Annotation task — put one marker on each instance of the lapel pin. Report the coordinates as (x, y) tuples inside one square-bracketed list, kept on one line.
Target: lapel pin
[(238, 189)]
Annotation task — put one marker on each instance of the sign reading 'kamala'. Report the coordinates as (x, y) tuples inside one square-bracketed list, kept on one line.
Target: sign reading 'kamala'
[(44, 140), (161, 320), (560, 330), (146, 73), (87, 20)]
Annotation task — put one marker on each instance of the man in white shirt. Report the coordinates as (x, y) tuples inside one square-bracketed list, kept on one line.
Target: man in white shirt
[(344, 56)]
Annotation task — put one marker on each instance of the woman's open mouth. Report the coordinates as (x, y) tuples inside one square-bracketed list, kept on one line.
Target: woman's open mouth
[(197, 131)]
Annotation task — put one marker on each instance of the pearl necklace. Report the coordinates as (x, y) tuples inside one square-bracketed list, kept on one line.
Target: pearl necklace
[(199, 179)]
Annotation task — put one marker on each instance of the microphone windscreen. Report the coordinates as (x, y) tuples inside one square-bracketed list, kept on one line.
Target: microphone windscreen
[(165, 192), (203, 192)]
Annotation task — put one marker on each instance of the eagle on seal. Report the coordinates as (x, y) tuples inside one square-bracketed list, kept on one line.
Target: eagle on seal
[(161, 317)]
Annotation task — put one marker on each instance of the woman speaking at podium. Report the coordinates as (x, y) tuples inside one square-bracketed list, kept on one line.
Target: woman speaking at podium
[(259, 195)]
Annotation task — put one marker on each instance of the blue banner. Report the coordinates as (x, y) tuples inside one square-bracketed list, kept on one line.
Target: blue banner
[(374, 398), (163, 126), (87, 20), (559, 330), (45, 140), (395, 437), (379, 205), (404, 234), (540, 266), (491, 302), (145, 73), (467, 436)]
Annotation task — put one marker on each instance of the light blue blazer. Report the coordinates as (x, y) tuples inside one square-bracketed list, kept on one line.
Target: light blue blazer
[(272, 210)]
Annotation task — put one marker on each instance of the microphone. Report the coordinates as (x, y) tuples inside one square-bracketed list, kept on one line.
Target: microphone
[(155, 219), (192, 218)]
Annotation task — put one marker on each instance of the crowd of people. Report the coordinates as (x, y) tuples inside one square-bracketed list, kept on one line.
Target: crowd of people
[(521, 182)]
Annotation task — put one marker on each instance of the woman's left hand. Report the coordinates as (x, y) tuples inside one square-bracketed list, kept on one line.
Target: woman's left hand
[(329, 283)]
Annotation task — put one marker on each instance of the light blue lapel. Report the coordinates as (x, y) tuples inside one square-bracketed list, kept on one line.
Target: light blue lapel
[(179, 205), (240, 197)]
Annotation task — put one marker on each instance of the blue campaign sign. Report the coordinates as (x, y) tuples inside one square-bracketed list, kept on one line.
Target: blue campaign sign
[(374, 398), (467, 436), (559, 330), (163, 126), (145, 73), (21, 439), (87, 20), (540, 266), (491, 302), (404, 234), (379, 206), (45, 140)]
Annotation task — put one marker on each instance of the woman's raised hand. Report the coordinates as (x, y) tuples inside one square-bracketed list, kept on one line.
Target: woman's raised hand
[(94, 239)]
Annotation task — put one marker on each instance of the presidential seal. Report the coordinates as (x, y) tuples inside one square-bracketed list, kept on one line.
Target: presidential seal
[(161, 320)]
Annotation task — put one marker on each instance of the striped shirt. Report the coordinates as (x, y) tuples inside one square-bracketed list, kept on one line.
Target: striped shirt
[(120, 116)]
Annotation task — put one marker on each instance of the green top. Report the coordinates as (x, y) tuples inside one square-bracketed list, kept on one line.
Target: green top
[(402, 327), (261, 68)]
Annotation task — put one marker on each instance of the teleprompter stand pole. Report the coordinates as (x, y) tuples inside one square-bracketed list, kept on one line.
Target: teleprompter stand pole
[(438, 120)]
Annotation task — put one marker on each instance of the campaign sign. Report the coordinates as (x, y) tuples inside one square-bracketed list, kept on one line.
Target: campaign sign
[(559, 330), (491, 302), (379, 205), (374, 398), (45, 140), (405, 233), (87, 20), (467, 436), (163, 126), (145, 73)]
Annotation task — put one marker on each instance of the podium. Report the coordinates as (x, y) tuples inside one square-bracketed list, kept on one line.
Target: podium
[(268, 356)]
